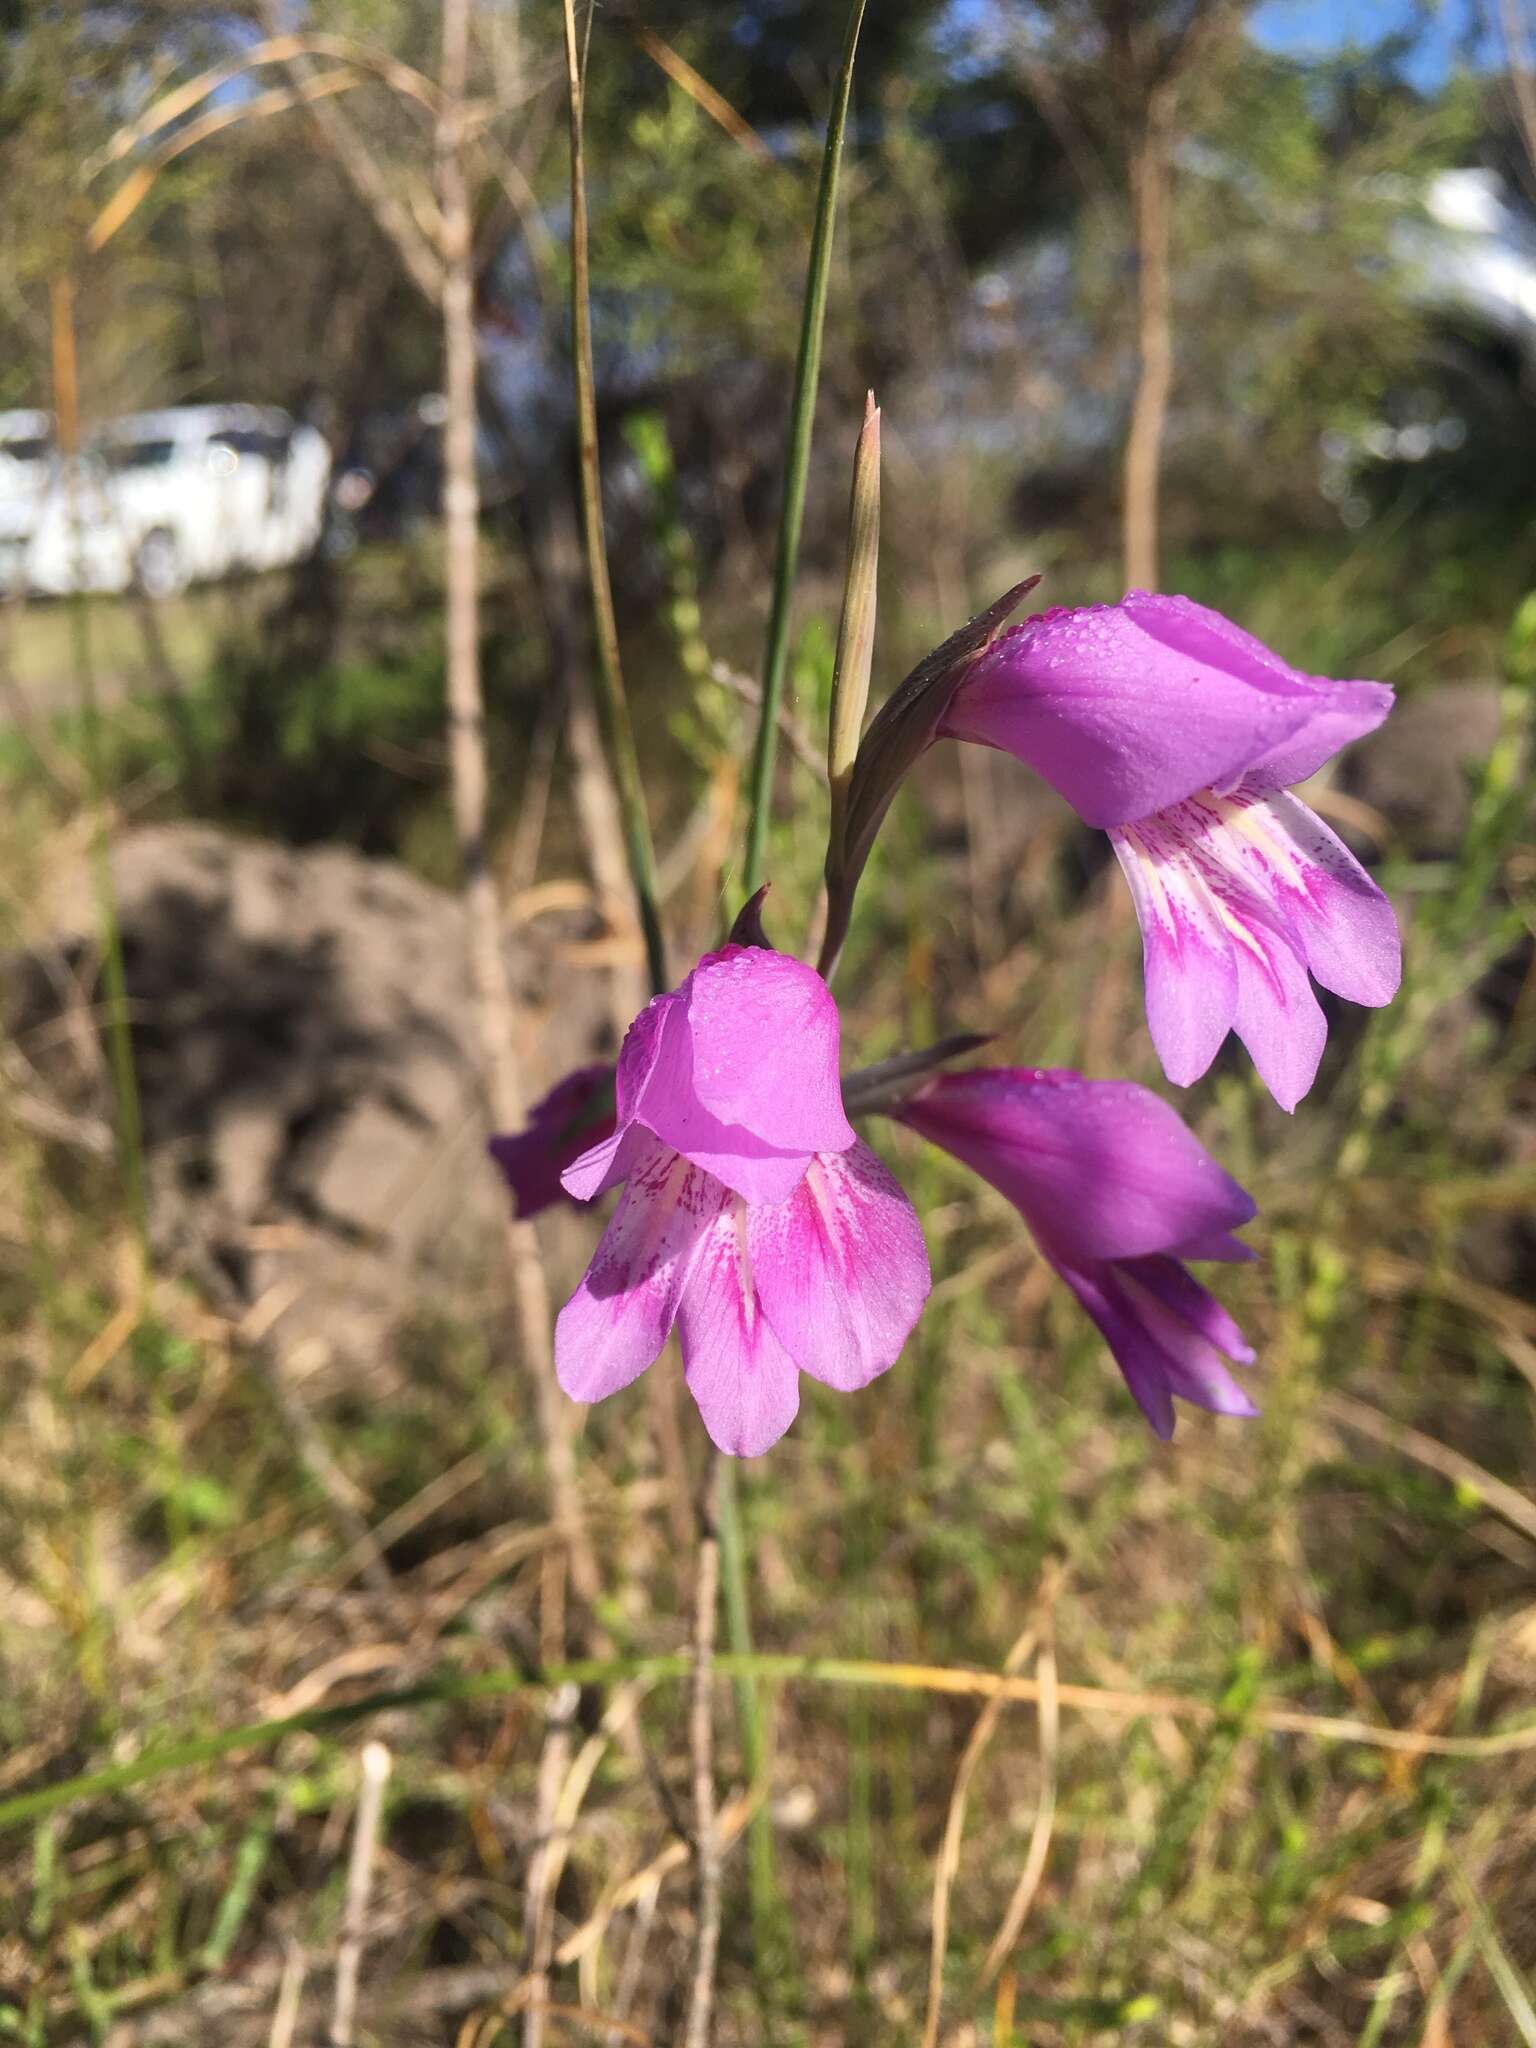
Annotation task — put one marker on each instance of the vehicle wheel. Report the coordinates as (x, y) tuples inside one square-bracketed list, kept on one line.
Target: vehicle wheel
[(158, 568)]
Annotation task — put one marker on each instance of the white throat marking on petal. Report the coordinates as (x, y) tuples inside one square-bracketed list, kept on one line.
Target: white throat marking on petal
[(825, 1200), (744, 1278), (1189, 883), (1256, 823)]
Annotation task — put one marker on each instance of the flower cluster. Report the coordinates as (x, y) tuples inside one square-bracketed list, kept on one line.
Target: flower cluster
[(756, 1221)]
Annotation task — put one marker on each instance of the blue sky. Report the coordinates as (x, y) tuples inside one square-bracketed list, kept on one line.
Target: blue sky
[(1315, 27), (1319, 27)]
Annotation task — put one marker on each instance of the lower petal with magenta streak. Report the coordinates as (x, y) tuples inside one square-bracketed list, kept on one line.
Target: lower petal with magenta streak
[(841, 1268), (745, 1383), (1341, 923), (1191, 974), (1224, 950), (621, 1315)]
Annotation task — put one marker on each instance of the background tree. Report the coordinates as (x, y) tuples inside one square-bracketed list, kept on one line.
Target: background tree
[(1117, 79)]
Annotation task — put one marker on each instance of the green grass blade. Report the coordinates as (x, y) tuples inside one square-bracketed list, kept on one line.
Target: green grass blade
[(250, 1860), (1507, 1979)]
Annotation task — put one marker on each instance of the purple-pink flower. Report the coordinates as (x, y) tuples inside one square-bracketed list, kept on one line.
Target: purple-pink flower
[(1118, 1193), (1179, 734), (575, 1114), (752, 1217)]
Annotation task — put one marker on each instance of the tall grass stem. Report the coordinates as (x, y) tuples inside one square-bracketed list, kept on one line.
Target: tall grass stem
[(797, 469)]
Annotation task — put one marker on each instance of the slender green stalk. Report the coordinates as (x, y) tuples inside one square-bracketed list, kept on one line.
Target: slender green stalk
[(762, 1879), (766, 1921), (613, 705), (802, 415)]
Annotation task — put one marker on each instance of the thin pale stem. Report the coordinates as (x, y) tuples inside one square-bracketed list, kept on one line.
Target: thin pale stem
[(125, 1087), (467, 759), (125, 1092), (801, 418), (613, 705), (376, 1763), (461, 538), (468, 772), (538, 1903)]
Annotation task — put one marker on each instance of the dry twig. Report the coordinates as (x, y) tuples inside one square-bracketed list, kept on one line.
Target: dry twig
[(948, 1864), (544, 1863), (1045, 1814), (360, 1869), (1506, 1500)]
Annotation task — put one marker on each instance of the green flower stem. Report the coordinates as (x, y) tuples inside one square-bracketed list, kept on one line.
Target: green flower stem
[(734, 1577), (762, 1880), (802, 414)]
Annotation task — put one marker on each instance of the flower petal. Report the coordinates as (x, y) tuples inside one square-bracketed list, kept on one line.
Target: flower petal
[(1278, 1017), (1182, 1295), (745, 1383), (620, 1316), (1345, 712), (1345, 927), (1098, 1169), (766, 1040), (1191, 976), (744, 1079), (1264, 879), (1141, 1362), (841, 1268), (1191, 1358), (559, 1128), (1125, 709), (604, 1165), (1216, 1244), (1160, 1354)]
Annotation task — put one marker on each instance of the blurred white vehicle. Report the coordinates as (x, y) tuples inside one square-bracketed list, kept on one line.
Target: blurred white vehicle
[(164, 499), (26, 457), (1473, 254)]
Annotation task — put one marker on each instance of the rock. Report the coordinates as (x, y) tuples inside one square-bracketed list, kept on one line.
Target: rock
[(306, 1056)]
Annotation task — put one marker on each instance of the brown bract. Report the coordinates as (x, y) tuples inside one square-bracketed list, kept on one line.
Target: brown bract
[(902, 730)]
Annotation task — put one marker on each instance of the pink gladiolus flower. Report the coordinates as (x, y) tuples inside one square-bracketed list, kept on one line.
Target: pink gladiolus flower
[(576, 1113), (1179, 734), (752, 1217), (1118, 1193)]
